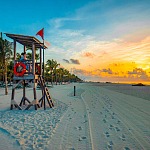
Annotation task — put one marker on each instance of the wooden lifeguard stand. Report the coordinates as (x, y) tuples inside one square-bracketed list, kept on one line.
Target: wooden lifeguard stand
[(32, 76)]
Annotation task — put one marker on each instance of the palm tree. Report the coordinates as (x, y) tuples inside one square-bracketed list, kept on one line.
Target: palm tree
[(56, 71), (29, 56), (5, 55), (60, 74), (66, 75), (37, 57), (18, 56), (10, 71), (51, 67)]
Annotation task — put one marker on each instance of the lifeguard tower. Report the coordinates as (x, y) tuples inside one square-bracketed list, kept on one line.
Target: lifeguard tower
[(32, 75)]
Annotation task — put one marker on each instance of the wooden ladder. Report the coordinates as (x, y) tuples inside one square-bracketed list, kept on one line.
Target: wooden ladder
[(45, 92)]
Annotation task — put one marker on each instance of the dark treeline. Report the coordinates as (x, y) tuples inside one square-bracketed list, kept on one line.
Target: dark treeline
[(53, 73)]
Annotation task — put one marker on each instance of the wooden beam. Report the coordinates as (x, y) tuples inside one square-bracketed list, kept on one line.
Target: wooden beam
[(26, 40), (14, 50), (24, 48), (41, 60), (33, 58)]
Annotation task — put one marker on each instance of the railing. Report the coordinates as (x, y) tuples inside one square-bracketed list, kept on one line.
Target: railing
[(28, 64)]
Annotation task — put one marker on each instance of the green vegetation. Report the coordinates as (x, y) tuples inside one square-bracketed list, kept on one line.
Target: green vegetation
[(5, 62), (53, 73)]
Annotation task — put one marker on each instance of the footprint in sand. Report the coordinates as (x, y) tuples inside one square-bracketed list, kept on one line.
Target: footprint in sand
[(123, 138), (106, 110), (117, 129), (110, 106), (112, 117), (107, 134), (71, 149), (84, 116), (78, 128), (113, 113), (126, 148), (118, 122), (110, 145), (85, 121), (104, 120), (111, 127), (82, 138)]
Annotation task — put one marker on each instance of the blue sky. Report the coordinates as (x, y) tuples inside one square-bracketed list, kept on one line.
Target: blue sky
[(94, 33), (26, 13), (23, 16)]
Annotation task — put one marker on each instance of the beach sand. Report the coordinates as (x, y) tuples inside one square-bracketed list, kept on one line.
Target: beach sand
[(99, 117)]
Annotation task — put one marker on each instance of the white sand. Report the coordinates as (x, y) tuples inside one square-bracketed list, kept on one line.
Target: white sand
[(97, 118)]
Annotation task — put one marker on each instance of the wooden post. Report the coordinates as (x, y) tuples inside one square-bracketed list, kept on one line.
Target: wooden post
[(34, 92), (5, 74), (74, 90), (24, 94), (43, 77), (12, 98), (41, 60), (14, 50), (24, 49), (33, 58)]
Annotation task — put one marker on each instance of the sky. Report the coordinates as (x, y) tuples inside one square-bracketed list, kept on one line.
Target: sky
[(98, 40)]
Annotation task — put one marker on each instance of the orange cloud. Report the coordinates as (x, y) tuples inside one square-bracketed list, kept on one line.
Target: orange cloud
[(116, 59), (122, 72), (88, 54)]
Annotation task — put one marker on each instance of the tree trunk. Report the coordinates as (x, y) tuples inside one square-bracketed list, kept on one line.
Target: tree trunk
[(55, 76), (52, 80), (5, 73)]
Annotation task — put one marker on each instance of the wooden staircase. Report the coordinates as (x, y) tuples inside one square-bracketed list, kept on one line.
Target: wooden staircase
[(45, 93)]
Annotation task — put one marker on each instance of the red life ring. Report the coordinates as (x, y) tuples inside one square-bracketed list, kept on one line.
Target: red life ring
[(19, 69)]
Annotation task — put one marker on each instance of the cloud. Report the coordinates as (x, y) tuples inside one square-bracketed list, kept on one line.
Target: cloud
[(60, 22), (81, 72), (109, 71), (72, 61), (88, 54), (75, 61), (137, 71), (47, 43), (138, 74), (67, 61)]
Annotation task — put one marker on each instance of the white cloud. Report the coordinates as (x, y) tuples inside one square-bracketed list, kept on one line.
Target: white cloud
[(57, 23)]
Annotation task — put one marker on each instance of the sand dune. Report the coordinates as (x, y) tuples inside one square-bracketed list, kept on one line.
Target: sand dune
[(99, 117)]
